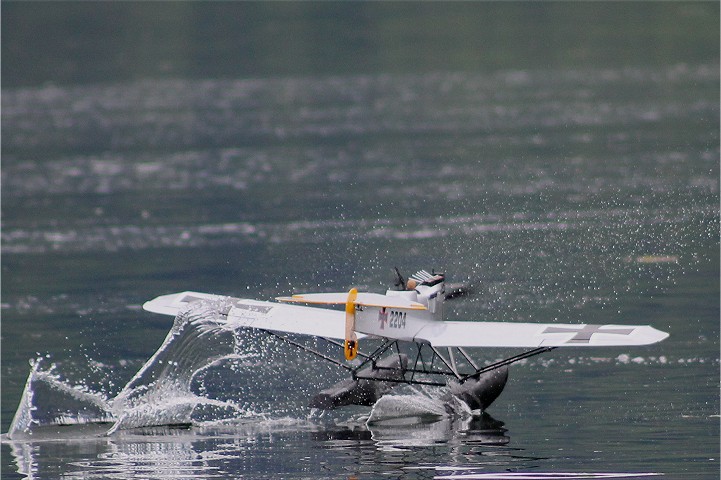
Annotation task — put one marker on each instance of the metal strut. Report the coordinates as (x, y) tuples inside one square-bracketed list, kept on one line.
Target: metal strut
[(450, 365), (508, 361), (374, 356), (406, 381), (468, 358), (305, 348)]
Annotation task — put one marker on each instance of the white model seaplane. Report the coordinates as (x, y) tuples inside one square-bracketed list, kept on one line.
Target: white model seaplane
[(413, 314)]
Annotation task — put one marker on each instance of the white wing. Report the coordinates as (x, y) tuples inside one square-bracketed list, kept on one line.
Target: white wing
[(318, 322), (363, 298), (175, 303), (327, 323), (532, 335)]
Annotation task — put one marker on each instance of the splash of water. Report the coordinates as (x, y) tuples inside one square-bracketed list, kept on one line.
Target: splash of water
[(176, 386), (48, 400), (165, 391), (426, 404), (162, 392)]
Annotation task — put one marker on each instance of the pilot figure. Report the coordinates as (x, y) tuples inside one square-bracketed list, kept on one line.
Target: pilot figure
[(411, 293)]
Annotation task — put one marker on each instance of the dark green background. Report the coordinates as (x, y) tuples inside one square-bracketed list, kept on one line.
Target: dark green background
[(78, 42)]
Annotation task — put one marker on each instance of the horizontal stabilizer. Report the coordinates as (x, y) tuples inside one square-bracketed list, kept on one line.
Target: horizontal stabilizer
[(363, 299)]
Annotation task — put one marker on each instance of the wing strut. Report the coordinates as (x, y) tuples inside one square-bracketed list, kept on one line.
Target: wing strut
[(419, 365), (305, 348), (376, 355), (450, 366), (509, 360), (468, 358)]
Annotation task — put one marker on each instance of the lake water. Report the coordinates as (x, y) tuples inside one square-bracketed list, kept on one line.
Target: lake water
[(572, 180)]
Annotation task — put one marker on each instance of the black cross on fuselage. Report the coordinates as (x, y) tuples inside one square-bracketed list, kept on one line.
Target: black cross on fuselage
[(584, 334)]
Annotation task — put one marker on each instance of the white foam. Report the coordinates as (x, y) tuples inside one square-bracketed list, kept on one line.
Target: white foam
[(420, 405)]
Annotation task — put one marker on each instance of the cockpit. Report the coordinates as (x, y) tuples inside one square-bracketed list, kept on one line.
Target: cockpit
[(423, 287)]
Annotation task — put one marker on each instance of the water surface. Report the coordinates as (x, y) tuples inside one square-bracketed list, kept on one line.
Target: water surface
[(570, 191)]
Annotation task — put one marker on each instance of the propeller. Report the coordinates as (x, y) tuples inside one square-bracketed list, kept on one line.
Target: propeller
[(400, 282), (351, 340)]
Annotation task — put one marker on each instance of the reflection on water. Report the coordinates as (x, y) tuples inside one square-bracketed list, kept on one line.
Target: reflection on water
[(216, 452), (477, 430), (262, 448)]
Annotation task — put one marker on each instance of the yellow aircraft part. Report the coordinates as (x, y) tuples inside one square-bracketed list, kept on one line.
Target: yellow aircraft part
[(351, 340)]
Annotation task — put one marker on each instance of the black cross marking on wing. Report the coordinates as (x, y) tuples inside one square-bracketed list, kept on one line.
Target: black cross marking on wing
[(583, 335)]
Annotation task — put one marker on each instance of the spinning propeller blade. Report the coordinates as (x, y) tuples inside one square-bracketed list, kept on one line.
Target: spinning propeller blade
[(351, 340), (400, 282)]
